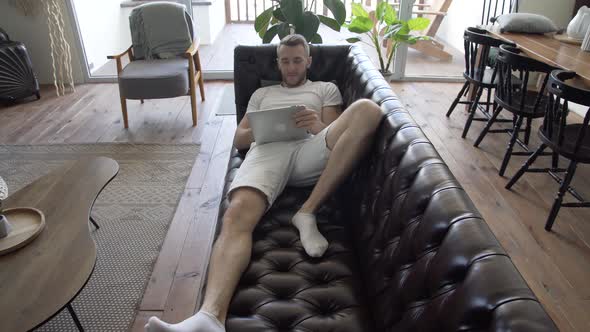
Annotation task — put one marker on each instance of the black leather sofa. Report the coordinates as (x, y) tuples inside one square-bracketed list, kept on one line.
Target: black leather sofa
[(408, 249)]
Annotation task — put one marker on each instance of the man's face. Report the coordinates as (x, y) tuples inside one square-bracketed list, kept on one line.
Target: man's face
[(293, 63)]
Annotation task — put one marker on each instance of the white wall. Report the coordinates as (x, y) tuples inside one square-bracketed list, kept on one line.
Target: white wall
[(33, 32), (461, 14), (217, 21), (559, 11), (465, 13), (104, 27), (209, 21), (201, 21)]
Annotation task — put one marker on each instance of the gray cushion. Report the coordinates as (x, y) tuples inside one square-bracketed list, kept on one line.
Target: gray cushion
[(525, 22), (151, 79)]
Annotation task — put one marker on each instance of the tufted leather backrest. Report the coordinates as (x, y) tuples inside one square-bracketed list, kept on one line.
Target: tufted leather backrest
[(428, 260)]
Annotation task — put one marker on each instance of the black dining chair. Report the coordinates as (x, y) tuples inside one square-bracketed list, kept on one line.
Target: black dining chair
[(570, 140), (478, 73), (513, 72)]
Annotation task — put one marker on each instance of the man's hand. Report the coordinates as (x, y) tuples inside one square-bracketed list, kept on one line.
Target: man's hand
[(310, 120)]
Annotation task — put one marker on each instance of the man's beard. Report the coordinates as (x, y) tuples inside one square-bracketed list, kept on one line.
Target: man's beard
[(300, 81)]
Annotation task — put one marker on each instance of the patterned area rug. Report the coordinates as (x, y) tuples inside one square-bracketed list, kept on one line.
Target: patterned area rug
[(133, 212)]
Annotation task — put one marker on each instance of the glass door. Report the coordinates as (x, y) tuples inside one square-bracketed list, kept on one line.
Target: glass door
[(442, 57), (103, 29)]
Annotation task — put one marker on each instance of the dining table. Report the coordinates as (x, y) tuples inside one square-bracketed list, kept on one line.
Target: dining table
[(556, 50), (551, 49)]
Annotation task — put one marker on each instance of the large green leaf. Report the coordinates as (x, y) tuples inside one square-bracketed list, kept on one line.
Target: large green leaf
[(309, 26), (317, 39), (403, 38), (293, 11), (284, 30), (262, 20), (262, 31), (360, 25), (418, 23), (338, 10), (392, 30), (358, 10), (278, 14), (405, 29), (390, 15), (270, 34), (330, 22), (381, 8)]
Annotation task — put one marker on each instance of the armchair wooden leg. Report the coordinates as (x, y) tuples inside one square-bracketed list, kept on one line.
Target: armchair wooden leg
[(202, 87), (200, 70), (193, 95), (141, 101), (121, 96), (124, 110)]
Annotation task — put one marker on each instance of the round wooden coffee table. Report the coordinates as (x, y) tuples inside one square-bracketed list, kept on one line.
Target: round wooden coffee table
[(41, 279)]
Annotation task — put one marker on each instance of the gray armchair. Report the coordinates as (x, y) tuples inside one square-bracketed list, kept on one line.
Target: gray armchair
[(155, 78)]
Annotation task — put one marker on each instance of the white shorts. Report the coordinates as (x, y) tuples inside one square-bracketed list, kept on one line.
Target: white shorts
[(270, 167)]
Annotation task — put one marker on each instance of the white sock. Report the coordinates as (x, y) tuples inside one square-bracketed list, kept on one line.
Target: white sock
[(202, 321), (314, 243)]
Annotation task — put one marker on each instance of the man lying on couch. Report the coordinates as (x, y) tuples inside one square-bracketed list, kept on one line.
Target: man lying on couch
[(339, 141)]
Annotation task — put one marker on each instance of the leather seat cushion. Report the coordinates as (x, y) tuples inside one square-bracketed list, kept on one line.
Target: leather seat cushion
[(152, 79), (283, 289)]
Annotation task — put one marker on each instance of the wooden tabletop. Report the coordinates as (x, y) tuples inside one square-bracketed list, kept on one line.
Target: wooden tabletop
[(550, 50), (38, 280)]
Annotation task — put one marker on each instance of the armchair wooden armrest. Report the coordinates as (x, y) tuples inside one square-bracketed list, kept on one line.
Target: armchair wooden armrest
[(192, 50), (118, 56)]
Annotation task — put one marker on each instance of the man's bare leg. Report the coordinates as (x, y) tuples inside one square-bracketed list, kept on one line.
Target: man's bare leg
[(349, 138), (229, 258)]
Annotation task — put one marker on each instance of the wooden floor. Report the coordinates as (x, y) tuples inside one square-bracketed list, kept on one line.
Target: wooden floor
[(556, 265)]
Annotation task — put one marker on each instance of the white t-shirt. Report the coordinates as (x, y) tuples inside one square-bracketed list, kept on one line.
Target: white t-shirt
[(314, 95)]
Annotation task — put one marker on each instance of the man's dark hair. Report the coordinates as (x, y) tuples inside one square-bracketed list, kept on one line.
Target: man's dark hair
[(294, 40)]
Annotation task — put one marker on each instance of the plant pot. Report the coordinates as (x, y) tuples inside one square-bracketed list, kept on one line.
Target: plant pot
[(5, 227), (388, 76)]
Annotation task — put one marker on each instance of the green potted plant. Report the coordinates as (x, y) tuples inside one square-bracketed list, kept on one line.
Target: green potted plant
[(383, 26), (285, 17)]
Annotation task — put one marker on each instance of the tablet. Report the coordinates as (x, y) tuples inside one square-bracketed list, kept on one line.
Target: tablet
[(275, 125)]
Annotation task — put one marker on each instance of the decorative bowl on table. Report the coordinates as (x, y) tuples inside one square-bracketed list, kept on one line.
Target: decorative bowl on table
[(18, 226)]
